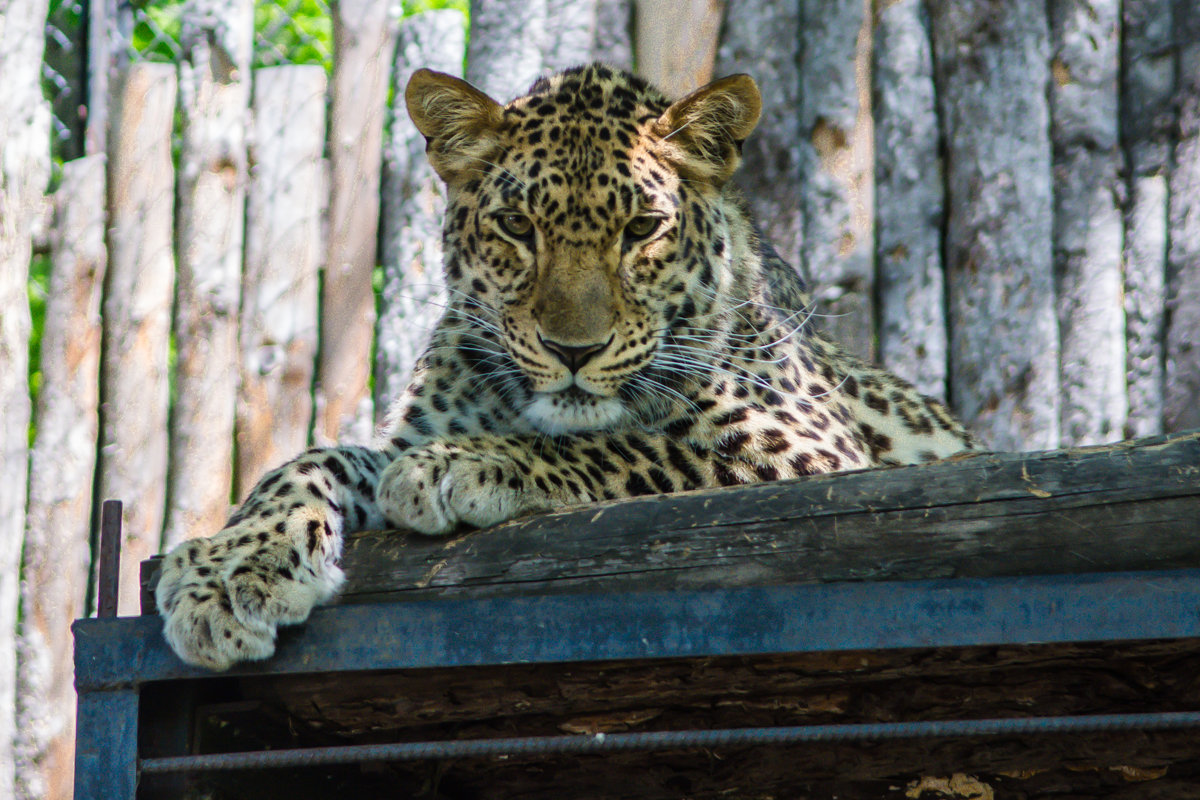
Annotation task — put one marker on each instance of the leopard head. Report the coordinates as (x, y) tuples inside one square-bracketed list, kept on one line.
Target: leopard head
[(585, 221)]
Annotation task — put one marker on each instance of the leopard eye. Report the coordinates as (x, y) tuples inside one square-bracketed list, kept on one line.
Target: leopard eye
[(641, 226), (518, 226)]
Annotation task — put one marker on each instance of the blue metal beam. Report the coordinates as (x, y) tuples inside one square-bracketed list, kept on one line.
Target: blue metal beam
[(782, 619)]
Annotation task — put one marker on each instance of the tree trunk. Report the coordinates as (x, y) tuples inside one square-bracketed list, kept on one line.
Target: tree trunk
[(676, 42), (992, 73), (215, 92), (1180, 407), (54, 583), (283, 253), (24, 169), (836, 138), (413, 205), (137, 313), (364, 36), (909, 200), (505, 52), (764, 42), (614, 33), (571, 27), (1147, 117), (1088, 236)]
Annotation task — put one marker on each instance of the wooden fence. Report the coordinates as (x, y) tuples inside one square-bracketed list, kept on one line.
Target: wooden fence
[(1003, 208)]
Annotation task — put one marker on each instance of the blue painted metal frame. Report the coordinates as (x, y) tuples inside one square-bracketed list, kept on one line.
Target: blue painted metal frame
[(114, 657), (113, 653)]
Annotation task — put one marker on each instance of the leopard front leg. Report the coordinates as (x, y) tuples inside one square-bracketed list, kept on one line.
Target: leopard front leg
[(477, 481), (222, 598)]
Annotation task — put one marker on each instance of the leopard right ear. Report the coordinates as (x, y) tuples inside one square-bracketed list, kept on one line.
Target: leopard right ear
[(458, 121)]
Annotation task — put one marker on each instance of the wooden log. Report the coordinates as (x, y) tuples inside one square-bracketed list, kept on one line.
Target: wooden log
[(1147, 118), (676, 42), (1180, 407), (614, 33), (280, 283), (1129, 506), (137, 312), (56, 558), (414, 200), (1003, 331), (24, 134), (570, 34), (1119, 508), (909, 200), (364, 39), (1088, 231), (763, 41), (504, 55), (836, 140), (214, 87)]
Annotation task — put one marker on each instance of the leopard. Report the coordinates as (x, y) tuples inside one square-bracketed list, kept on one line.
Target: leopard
[(615, 326)]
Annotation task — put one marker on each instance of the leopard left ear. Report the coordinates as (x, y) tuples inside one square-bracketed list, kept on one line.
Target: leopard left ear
[(702, 134), (458, 121)]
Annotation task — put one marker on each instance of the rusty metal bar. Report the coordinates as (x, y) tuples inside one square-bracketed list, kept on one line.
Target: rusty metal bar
[(110, 559), (667, 740)]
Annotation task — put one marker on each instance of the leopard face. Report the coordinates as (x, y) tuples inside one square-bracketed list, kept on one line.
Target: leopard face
[(584, 228)]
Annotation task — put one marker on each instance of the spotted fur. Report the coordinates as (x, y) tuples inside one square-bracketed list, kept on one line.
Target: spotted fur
[(615, 328)]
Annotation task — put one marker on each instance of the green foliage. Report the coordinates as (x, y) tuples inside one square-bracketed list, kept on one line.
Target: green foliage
[(39, 284)]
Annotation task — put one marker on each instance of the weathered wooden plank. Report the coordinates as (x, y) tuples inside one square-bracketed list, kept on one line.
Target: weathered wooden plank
[(24, 170), (992, 72), (214, 84), (1180, 407), (1132, 506), (676, 42), (505, 52), (1147, 117), (56, 558), (909, 200), (764, 41), (1089, 188), (364, 39), (137, 312), (414, 200), (614, 33), (836, 141), (283, 253), (571, 27)]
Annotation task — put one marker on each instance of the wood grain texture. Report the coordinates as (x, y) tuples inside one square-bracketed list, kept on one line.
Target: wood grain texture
[(676, 42), (1089, 188), (836, 186), (909, 200), (1003, 329), (414, 201), (138, 292), (214, 84), (62, 463), (284, 250), (364, 40)]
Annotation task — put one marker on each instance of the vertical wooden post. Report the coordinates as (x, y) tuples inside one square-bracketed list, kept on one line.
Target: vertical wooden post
[(909, 200), (54, 580), (1003, 332), (137, 307), (614, 33), (1180, 407), (414, 201), (364, 37), (571, 27), (24, 170), (1147, 118), (215, 98), (836, 139), (764, 41), (1088, 235), (505, 52), (676, 42), (283, 253)]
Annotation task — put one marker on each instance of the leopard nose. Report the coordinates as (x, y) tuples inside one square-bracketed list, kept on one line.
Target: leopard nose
[(573, 356)]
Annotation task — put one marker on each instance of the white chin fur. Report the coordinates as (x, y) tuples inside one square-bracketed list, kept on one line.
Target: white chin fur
[(555, 415)]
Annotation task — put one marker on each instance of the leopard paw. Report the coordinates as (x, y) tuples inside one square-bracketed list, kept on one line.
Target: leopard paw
[(435, 488), (222, 598)]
